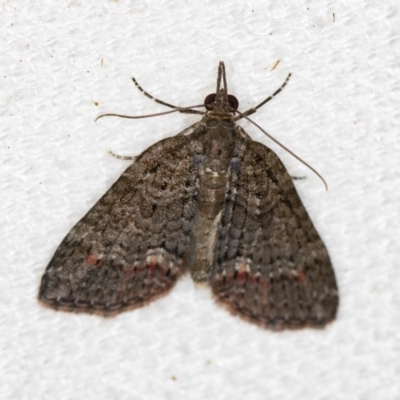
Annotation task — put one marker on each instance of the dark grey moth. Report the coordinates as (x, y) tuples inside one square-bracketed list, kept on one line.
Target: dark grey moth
[(209, 201)]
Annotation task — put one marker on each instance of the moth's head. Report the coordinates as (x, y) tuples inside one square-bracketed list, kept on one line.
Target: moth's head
[(221, 102)]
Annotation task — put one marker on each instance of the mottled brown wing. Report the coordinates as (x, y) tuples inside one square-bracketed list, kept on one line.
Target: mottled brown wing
[(128, 248), (272, 267)]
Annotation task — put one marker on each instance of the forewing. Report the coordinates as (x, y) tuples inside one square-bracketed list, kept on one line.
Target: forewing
[(128, 248), (272, 267)]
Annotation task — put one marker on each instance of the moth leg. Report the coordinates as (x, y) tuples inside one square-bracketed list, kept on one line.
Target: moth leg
[(117, 156)]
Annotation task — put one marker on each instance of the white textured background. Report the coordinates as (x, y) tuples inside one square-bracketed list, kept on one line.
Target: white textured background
[(340, 112)]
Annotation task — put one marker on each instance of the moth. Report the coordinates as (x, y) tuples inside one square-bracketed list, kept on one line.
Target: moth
[(209, 201)]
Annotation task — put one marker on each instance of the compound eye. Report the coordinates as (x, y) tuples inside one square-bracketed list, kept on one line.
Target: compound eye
[(233, 102), (209, 101)]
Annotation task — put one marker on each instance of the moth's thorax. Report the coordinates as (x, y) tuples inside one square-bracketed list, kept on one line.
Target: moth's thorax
[(218, 146)]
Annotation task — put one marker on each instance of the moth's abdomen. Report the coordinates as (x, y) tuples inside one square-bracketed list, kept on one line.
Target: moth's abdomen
[(213, 186), (205, 228), (212, 193)]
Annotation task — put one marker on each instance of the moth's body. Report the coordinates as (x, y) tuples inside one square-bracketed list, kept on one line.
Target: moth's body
[(219, 145), (209, 201)]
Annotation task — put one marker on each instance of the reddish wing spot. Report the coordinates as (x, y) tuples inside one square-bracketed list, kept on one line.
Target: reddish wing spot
[(156, 261), (242, 272), (152, 267), (301, 277), (93, 260), (241, 276)]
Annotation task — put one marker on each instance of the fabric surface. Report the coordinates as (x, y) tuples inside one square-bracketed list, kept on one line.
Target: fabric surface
[(64, 63)]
